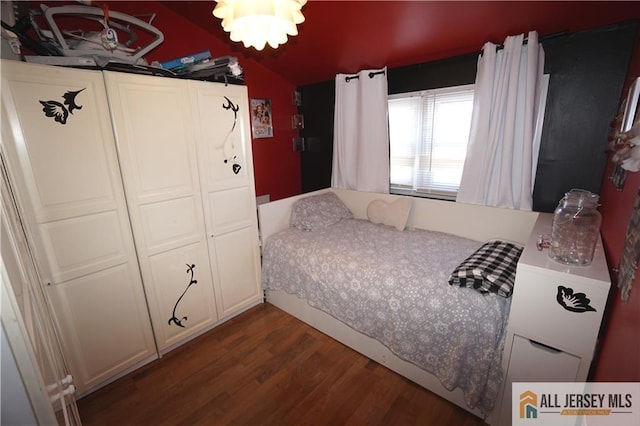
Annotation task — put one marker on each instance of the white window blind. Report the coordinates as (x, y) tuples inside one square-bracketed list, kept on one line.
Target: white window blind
[(429, 131)]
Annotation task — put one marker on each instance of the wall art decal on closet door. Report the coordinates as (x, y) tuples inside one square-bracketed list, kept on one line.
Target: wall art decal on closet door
[(57, 110), (228, 148), (574, 302), (175, 320)]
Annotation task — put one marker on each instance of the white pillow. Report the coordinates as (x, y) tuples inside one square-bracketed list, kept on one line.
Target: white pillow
[(393, 213)]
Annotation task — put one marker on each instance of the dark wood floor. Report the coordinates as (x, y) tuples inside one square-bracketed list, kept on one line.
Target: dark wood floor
[(265, 367)]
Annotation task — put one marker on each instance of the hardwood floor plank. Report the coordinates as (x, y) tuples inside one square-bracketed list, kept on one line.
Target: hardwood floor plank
[(266, 367)]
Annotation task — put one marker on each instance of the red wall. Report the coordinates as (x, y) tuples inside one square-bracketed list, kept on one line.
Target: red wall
[(620, 356), (276, 165)]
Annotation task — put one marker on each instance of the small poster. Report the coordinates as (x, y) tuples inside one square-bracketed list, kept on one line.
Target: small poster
[(261, 124)]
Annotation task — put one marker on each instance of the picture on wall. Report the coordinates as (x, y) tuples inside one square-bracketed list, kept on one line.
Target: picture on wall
[(618, 177), (297, 121), (631, 253), (261, 123)]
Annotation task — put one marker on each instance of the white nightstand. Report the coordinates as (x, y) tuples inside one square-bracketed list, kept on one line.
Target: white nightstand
[(555, 317)]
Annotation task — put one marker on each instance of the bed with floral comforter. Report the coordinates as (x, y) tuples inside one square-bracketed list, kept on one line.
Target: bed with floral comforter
[(393, 286)]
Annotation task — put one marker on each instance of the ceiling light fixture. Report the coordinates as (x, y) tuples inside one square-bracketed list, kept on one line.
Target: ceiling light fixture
[(258, 22)]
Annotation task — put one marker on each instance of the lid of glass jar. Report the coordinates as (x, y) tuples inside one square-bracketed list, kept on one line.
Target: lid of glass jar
[(581, 197)]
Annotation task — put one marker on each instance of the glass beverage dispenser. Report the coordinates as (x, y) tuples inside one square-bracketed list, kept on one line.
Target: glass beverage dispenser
[(576, 228)]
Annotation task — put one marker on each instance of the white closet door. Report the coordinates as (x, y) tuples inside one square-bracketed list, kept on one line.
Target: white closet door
[(61, 158), (32, 319), (226, 176), (154, 132)]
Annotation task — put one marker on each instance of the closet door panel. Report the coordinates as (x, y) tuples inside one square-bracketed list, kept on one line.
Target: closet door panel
[(154, 132), (78, 246), (223, 135), (182, 279), (45, 145), (231, 209), (171, 223), (63, 166), (105, 328), (161, 159), (239, 271)]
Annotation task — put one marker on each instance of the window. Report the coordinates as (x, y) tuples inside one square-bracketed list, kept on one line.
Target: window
[(428, 132)]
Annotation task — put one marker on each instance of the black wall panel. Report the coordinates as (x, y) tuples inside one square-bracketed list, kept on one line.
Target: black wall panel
[(586, 71), (318, 102), (433, 75)]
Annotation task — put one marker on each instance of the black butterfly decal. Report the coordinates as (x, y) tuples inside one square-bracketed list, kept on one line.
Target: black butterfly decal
[(577, 302), (58, 110)]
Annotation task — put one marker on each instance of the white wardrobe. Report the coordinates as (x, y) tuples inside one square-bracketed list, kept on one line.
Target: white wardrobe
[(138, 200)]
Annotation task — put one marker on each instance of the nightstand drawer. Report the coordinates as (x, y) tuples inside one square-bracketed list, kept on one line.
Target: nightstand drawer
[(532, 362), (560, 310)]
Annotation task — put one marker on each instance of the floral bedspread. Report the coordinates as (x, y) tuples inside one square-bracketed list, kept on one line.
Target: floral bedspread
[(392, 286)]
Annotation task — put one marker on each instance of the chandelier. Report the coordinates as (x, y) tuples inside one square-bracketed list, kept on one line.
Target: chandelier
[(258, 22)]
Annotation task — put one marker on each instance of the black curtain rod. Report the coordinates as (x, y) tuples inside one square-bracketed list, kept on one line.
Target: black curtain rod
[(371, 74), (540, 39)]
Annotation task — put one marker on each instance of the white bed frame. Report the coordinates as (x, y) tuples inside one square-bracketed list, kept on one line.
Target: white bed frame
[(476, 222)]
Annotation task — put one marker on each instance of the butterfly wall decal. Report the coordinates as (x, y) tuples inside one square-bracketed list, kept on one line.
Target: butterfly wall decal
[(58, 110), (574, 302)]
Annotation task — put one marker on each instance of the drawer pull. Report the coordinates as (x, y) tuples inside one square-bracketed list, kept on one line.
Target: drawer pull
[(543, 346)]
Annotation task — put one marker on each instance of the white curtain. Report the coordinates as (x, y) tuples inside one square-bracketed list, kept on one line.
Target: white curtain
[(360, 133), (502, 153)]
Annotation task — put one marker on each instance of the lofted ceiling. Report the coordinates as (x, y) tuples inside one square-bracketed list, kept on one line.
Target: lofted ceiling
[(347, 36)]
